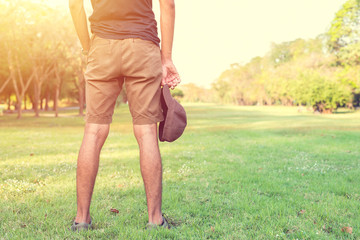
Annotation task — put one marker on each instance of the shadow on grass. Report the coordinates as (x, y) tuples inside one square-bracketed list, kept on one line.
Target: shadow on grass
[(344, 112)]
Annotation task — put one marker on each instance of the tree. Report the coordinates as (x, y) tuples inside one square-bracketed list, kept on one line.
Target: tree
[(38, 55), (20, 82), (344, 34), (5, 78), (292, 73), (191, 92), (322, 91), (18, 24)]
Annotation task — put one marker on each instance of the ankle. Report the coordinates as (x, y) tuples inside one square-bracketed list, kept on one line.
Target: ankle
[(83, 218), (156, 219)]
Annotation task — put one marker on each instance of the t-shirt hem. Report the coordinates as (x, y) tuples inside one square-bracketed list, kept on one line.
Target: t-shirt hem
[(126, 36)]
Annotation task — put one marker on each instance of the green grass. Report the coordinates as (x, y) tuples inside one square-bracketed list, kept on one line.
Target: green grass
[(236, 173)]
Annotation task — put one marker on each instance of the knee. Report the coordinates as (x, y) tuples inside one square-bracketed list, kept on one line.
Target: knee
[(145, 132), (97, 131)]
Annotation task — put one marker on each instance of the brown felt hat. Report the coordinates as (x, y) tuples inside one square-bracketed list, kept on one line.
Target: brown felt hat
[(174, 122)]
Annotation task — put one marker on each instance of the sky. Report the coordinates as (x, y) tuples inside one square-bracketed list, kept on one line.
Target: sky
[(210, 35)]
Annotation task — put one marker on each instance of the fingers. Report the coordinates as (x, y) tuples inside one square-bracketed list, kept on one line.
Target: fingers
[(170, 76), (173, 80), (163, 81)]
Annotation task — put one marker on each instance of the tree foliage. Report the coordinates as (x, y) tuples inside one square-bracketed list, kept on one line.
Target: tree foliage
[(344, 34), (302, 72), (42, 54), (42, 63)]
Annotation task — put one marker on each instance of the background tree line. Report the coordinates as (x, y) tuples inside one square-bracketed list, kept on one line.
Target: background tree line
[(322, 73), (41, 64)]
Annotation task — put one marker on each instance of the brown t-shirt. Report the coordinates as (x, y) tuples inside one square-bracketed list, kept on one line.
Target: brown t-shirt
[(121, 19)]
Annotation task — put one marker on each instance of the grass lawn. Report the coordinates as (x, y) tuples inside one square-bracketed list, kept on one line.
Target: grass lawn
[(236, 173)]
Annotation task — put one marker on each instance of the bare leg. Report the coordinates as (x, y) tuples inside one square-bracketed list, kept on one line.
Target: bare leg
[(151, 169), (87, 167)]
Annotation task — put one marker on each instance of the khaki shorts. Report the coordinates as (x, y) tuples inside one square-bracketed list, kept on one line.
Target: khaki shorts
[(111, 63)]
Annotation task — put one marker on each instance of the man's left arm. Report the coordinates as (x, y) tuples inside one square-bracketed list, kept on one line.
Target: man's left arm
[(79, 18)]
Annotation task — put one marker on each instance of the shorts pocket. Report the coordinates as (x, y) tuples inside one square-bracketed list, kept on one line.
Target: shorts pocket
[(99, 48)]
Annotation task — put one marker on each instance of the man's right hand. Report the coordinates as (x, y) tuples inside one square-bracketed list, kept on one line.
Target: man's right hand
[(170, 74)]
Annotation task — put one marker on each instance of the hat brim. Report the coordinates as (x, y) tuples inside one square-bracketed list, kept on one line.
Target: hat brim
[(175, 120)]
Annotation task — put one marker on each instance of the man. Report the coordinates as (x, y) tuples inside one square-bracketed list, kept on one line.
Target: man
[(124, 49)]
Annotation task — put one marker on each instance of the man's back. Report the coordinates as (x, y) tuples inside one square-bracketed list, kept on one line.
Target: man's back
[(121, 19)]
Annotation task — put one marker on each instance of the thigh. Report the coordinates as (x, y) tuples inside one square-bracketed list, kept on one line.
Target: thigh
[(143, 72), (103, 81), (101, 99)]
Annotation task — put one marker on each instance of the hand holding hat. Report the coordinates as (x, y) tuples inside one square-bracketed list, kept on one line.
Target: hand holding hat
[(170, 75), (175, 119)]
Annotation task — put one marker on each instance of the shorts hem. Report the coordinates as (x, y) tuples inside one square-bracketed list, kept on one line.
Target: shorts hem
[(98, 119), (145, 120)]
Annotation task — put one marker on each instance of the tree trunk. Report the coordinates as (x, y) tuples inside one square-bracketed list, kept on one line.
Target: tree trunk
[(9, 102), (18, 106), (18, 98), (32, 103), (37, 88), (5, 83), (57, 89), (56, 101), (15, 72), (47, 100), (41, 73), (25, 103)]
